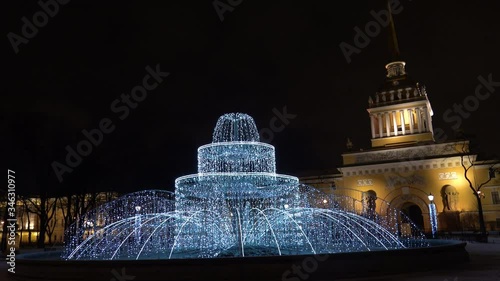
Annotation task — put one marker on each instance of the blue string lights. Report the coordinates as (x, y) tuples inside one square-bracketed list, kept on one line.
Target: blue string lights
[(235, 206), (433, 215)]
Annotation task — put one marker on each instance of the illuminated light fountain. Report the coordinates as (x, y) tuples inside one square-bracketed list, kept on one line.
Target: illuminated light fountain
[(235, 206)]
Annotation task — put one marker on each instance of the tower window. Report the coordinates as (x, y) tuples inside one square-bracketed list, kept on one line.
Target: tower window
[(495, 197)]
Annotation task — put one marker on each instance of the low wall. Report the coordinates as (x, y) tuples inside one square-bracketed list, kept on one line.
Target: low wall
[(44, 266)]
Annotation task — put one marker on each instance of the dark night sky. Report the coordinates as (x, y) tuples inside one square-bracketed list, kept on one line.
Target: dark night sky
[(264, 55)]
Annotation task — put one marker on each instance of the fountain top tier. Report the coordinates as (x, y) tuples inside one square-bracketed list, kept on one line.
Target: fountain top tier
[(235, 164), (236, 148), (235, 127)]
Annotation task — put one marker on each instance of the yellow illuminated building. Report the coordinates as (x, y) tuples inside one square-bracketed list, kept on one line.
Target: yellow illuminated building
[(405, 164)]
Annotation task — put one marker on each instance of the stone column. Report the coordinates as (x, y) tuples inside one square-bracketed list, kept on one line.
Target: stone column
[(424, 119), (380, 128), (410, 114), (387, 124), (429, 120), (395, 122), (419, 119), (403, 125), (372, 122)]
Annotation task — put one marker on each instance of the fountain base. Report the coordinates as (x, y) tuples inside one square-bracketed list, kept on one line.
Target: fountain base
[(441, 253)]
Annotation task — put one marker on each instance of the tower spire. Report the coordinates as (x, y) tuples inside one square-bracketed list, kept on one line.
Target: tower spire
[(393, 37), (400, 112), (395, 67)]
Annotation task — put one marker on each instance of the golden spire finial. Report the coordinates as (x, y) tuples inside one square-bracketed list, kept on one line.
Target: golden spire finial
[(393, 38)]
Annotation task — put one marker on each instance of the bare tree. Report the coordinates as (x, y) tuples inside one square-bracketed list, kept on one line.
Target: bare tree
[(66, 207), (468, 161), (3, 243), (26, 209), (74, 207), (21, 213), (45, 209), (52, 222)]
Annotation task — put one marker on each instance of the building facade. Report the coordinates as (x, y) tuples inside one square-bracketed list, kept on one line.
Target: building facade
[(405, 164), (29, 210)]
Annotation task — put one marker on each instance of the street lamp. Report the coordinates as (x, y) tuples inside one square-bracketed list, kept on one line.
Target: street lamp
[(432, 215), (480, 194)]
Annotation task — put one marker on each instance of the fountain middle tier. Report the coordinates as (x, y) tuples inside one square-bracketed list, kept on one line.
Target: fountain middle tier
[(241, 156), (234, 186)]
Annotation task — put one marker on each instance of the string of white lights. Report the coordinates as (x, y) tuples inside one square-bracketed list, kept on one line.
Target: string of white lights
[(236, 205)]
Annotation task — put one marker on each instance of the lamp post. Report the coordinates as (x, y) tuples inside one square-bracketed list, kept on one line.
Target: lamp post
[(432, 215)]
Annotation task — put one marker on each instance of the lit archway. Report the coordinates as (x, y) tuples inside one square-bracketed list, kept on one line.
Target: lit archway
[(412, 214), (407, 204)]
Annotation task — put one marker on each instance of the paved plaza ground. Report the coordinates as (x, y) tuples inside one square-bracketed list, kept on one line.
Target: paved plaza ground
[(484, 265)]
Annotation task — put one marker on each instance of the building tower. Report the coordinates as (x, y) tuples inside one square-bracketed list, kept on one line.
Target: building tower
[(405, 167), (400, 112)]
